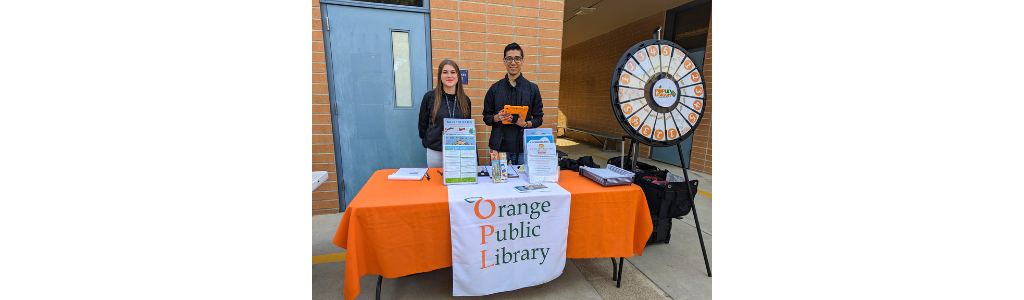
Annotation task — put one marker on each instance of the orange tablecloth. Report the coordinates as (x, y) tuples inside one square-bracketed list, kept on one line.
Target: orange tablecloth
[(399, 228)]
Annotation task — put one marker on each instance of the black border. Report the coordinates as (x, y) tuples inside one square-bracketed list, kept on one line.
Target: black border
[(623, 121)]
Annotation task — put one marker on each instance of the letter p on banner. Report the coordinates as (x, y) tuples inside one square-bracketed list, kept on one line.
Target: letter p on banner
[(484, 234)]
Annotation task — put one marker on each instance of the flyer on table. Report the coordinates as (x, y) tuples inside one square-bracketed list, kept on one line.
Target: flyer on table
[(459, 151)]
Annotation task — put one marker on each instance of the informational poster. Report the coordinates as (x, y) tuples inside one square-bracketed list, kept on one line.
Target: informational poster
[(459, 149), (541, 162), (541, 155)]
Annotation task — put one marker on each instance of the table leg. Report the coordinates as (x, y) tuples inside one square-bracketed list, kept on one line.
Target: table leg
[(619, 282), (379, 279)]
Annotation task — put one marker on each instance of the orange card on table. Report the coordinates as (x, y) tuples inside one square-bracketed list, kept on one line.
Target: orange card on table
[(516, 110)]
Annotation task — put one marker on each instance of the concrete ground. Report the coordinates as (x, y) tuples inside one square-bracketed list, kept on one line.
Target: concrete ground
[(665, 271)]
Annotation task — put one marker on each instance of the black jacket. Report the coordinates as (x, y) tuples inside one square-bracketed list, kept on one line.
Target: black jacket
[(431, 133), (509, 137)]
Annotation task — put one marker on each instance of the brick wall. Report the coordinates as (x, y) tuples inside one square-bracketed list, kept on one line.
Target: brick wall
[(325, 198), (473, 33), (700, 155), (587, 78)]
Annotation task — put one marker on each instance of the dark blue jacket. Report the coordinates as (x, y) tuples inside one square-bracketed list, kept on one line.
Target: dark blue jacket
[(509, 137), (431, 133)]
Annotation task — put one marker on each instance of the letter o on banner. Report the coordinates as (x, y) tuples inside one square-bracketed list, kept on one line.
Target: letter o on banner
[(476, 208)]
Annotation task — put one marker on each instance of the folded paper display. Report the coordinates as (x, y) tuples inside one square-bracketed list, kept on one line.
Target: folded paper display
[(541, 155)]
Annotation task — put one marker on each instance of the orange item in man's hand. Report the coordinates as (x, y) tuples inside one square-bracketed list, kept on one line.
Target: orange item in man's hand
[(516, 110)]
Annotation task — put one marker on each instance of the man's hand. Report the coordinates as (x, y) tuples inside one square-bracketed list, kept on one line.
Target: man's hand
[(522, 121), (503, 116)]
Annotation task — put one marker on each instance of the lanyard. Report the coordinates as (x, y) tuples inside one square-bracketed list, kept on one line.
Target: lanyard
[(451, 109)]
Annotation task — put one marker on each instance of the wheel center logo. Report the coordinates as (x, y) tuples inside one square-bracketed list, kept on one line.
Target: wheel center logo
[(665, 92)]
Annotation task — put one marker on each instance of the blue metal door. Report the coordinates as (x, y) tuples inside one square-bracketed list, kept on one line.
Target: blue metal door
[(378, 72)]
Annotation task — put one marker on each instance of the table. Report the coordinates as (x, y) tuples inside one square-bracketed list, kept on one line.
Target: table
[(319, 177), (399, 228)]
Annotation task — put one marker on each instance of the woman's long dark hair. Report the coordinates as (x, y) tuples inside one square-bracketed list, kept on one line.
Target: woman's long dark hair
[(460, 95)]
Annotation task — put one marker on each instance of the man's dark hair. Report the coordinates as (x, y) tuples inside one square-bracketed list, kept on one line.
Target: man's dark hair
[(513, 46)]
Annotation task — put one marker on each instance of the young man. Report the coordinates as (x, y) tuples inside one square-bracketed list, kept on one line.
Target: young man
[(516, 91)]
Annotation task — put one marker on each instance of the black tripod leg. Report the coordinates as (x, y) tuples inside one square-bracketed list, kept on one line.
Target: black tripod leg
[(379, 279), (693, 204), (636, 155)]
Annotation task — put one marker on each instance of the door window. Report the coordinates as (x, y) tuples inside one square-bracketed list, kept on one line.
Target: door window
[(400, 60)]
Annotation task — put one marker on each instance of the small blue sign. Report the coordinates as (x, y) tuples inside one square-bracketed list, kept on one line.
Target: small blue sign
[(465, 76)]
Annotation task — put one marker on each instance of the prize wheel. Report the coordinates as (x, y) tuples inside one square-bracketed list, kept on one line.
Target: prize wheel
[(657, 93)]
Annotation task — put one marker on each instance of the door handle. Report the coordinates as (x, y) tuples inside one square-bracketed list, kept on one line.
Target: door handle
[(335, 109)]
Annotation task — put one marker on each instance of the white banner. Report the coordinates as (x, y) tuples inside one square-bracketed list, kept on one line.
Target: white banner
[(503, 239)]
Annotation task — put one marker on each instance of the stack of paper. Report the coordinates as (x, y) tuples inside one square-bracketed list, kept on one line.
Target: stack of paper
[(537, 187), (408, 174)]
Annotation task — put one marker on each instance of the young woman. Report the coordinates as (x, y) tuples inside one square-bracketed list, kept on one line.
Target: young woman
[(446, 100)]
